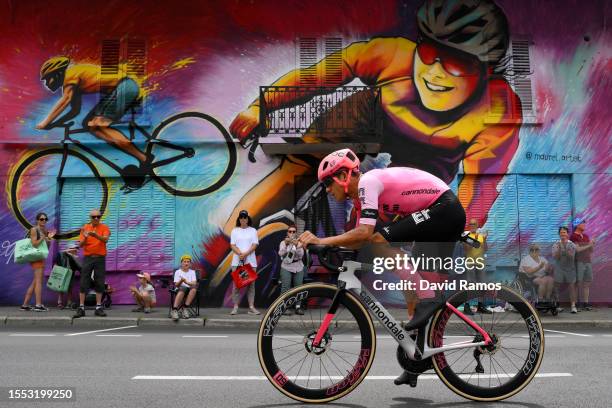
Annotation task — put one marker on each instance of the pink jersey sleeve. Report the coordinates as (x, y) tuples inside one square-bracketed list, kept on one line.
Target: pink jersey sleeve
[(370, 188)]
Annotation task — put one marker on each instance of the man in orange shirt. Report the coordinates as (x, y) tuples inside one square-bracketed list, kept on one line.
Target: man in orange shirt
[(93, 239)]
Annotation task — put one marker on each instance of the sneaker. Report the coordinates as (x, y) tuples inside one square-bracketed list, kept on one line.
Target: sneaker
[(40, 308), (483, 310), (185, 314), (234, 311), (288, 312), (147, 310), (299, 311), (560, 309), (174, 315), (80, 312), (253, 311), (588, 306), (574, 310), (25, 308), (138, 309), (100, 312)]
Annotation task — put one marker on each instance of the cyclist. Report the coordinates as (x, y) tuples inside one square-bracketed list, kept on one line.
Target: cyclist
[(430, 212), (78, 79), (436, 96)]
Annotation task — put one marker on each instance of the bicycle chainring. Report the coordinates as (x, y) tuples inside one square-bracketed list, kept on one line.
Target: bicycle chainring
[(411, 365)]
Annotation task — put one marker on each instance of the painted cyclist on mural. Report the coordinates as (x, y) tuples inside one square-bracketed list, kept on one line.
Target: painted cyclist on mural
[(436, 93)]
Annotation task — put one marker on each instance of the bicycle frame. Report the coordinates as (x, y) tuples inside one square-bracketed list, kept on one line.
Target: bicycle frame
[(133, 128), (349, 282)]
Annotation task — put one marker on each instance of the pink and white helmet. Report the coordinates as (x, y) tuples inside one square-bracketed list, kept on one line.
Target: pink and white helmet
[(336, 161)]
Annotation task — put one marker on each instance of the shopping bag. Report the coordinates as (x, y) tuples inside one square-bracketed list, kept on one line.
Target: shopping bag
[(59, 280), (25, 252), (244, 275)]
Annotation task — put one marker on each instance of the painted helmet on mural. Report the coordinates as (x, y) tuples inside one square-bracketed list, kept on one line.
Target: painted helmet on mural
[(53, 65), (478, 27)]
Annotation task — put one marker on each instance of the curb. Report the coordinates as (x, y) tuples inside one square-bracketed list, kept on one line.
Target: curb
[(29, 321), (89, 322), (167, 322)]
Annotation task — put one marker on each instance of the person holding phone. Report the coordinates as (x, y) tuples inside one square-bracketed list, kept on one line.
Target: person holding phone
[(292, 267)]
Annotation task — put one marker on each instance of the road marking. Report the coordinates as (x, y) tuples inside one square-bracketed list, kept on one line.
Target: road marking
[(333, 377), (548, 336), (573, 334), (607, 335), (118, 335), (31, 335), (206, 337), (99, 331)]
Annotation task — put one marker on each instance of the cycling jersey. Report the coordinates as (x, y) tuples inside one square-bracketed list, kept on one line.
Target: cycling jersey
[(396, 190)]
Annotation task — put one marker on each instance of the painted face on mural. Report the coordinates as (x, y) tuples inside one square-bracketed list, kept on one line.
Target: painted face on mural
[(54, 82), (444, 78)]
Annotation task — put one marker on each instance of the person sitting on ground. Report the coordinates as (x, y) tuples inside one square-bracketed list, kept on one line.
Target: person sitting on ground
[(68, 259), (537, 269), (186, 284), (144, 294)]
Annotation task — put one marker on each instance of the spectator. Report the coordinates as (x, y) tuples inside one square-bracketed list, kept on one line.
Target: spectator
[(68, 259), (476, 274), (584, 269), (244, 241), (38, 234), (536, 268), (292, 267), (565, 270), (186, 284), (93, 239), (144, 294)]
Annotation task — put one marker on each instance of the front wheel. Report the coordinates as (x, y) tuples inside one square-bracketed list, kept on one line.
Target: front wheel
[(497, 371), (322, 373)]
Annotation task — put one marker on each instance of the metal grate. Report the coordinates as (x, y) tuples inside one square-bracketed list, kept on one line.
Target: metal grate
[(307, 61), (333, 61)]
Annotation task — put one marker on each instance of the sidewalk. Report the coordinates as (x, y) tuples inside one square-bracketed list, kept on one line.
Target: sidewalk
[(122, 315)]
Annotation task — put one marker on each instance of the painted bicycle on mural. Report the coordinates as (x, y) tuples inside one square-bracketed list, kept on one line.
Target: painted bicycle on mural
[(165, 155)]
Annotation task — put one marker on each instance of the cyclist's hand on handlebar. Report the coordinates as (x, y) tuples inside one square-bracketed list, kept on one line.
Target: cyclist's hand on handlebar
[(245, 123), (307, 238)]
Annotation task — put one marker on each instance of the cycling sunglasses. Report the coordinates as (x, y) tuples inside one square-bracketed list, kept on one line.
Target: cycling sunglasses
[(328, 181), (455, 62)]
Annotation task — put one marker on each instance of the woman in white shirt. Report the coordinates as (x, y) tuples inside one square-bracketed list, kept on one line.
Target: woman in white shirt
[(292, 267), (243, 242), (536, 267)]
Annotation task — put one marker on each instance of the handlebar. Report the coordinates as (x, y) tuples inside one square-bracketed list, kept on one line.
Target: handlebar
[(322, 252)]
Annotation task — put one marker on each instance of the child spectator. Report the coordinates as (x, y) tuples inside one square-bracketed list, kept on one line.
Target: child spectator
[(144, 294)]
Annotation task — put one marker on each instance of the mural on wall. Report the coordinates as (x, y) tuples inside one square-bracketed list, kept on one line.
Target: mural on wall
[(156, 146)]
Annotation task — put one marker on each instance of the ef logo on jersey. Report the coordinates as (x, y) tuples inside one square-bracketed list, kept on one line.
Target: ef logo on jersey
[(420, 216)]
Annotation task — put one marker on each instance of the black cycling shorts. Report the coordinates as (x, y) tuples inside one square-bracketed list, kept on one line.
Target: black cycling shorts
[(434, 230)]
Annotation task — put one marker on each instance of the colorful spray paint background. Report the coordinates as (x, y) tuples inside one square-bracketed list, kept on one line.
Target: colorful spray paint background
[(212, 57)]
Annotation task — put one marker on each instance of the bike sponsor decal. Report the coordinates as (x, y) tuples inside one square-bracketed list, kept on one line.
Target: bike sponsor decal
[(438, 337), (353, 376), (280, 309), (280, 378), (386, 320), (534, 348)]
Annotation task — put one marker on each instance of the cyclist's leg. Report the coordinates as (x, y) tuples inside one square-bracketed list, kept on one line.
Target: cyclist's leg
[(111, 109)]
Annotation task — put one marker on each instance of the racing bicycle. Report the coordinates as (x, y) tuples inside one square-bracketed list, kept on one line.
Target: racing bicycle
[(327, 352), (188, 143)]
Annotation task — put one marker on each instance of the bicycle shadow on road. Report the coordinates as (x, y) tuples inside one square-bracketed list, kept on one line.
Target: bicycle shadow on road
[(300, 404), (403, 402)]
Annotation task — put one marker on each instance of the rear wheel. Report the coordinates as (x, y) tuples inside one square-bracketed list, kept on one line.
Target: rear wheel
[(498, 371), (322, 373)]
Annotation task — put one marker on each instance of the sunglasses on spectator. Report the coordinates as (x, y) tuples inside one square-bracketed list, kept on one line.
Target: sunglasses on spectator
[(454, 62), (43, 219), (534, 249), (96, 216), (291, 231)]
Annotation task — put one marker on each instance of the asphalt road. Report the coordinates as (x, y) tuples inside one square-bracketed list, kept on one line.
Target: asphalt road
[(122, 368)]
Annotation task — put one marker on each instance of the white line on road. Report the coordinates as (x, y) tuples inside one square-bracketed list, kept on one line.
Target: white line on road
[(563, 332), (206, 337), (31, 335), (99, 331), (548, 336), (333, 377), (118, 335)]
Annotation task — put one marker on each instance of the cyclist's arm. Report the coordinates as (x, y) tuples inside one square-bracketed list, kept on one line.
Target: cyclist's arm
[(353, 238), (58, 108)]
